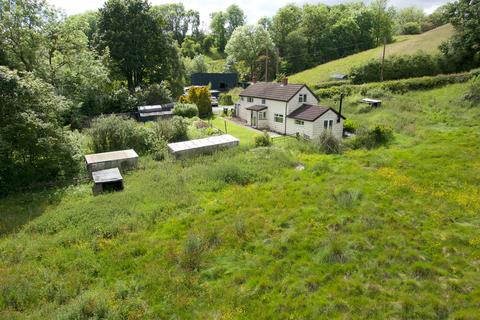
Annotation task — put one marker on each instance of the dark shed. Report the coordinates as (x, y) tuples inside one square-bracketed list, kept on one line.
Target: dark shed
[(220, 81)]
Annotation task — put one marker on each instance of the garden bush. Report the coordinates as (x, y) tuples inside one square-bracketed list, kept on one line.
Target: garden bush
[(111, 133), (263, 140), (225, 99), (187, 110), (200, 96), (375, 137), (327, 143), (172, 130)]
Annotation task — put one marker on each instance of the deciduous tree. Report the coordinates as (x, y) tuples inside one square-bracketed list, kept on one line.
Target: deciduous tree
[(248, 43)]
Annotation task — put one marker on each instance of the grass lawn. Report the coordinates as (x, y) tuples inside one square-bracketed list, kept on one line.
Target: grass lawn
[(390, 233), (246, 136), (428, 42)]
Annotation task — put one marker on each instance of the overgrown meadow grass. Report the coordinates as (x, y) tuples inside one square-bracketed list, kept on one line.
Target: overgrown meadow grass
[(242, 234)]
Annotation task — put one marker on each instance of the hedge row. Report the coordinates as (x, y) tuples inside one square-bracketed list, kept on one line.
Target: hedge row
[(399, 86), (402, 67), (333, 83)]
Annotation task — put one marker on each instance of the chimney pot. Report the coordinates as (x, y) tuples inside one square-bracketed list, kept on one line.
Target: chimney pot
[(254, 78), (285, 81)]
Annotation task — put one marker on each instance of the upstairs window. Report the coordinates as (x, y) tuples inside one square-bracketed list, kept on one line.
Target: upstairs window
[(242, 98), (250, 99), (328, 124), (278, 118), (302, 98), (299, 122), (263, 101)]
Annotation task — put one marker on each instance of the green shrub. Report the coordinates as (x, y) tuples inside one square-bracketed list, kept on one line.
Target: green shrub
[(327, 143), (187, 110), (350, 125), (411, 28), (473, 93), (375, 137), (200, 96), (111, 133), (172, 130), (225, 99), (263, 140)]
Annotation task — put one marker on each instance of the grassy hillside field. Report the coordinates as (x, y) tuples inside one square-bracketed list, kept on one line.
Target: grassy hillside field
[(367, 234), (427, 42)]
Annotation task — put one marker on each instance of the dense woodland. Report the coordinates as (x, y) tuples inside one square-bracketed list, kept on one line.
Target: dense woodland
[(59, 71)]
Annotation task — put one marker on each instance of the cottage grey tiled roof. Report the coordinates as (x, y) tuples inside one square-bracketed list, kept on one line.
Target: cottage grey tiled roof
[(272, 91), (309, 112)]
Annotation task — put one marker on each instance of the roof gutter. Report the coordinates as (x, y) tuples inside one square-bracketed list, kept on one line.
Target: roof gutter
[(286, 105)]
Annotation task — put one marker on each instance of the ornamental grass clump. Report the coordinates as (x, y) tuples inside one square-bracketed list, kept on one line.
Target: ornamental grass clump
[(328, 143)]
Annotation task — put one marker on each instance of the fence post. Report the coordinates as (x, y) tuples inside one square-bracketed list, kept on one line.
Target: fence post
[(225, 122)]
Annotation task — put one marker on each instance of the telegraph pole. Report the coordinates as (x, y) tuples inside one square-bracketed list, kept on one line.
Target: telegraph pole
[(266, 64), (383, 57)]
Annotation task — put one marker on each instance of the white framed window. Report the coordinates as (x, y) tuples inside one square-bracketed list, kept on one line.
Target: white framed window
[(262, 115), (302, 98), (249, 99), (328, 124), (242, 98), (278, 118), (263, 101), (299, 122)]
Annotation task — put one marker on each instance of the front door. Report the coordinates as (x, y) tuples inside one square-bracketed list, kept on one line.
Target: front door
[(253, 119)]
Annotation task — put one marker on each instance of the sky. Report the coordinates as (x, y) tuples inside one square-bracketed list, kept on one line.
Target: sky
[(254, 9)]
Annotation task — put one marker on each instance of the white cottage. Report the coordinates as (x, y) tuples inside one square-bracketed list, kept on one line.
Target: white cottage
[(287, 109)]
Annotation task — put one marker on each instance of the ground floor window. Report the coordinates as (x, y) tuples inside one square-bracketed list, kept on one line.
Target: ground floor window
[(262, 115), (328, 124), (299, 122), (278, 118)]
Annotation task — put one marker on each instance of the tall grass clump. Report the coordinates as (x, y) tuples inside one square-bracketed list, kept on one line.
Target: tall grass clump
[(374, 137), (347, 198), (192, 253), (328, 143), (263, 140), (335, 251)]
